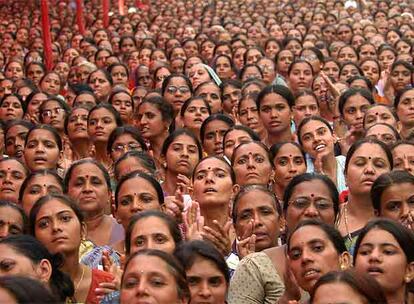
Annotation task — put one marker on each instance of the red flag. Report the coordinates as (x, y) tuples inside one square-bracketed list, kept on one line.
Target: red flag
[(79, 16), (121, 4), (105, 8), (47, 40)]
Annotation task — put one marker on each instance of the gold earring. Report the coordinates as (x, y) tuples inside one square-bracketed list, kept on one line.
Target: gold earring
[(343, 266), (407, 279)]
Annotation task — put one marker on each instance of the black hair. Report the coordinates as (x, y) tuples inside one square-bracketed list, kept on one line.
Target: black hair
[(85, 92), (343, 99), (245, 67), (230, 83), (117, 91), (167, 219), (167, 80), (110, 108), (130, 130), (252, 134), (167, 111), (363, 78), (386, 180), (83, 161), (174, 267), (312, 118), (20, 210), (306, 92), (308, 177), (389, 108), (281, 90), (188, 252), (275, 148), (51, 130), (227, 165), (403, 236), (218, 116), (27, 290), (190, 100), (331, 232), (362, 141), (251, 188), (363, 284), (17, 122), (64, 199), (255, 142), (394, 130), (106, 74), (19, 98), (171, 137), (137, 174), (42, 172), (60, 283), (297, 61), (61, 103), (399, 95), (117, 64), (144, 159)]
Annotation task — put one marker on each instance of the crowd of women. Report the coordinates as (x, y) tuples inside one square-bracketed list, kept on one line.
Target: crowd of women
[(200, 151)]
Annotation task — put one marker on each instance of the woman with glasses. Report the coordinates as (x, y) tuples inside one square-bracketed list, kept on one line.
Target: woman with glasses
[(176, 89)]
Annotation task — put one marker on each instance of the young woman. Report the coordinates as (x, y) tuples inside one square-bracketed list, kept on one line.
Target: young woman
[(392, 197), (51, 84), (15, 136), (274, 103), (154, 118), (207, 272), (401, 77), (403, 156), (366, 160), (13, 219), (300, 76), (193, 113), (235, 136), (212, 133), (57, 222), (180, 153), (12, 107), (102, 120), (345, 286), (317, 139), (37, 184), (306, 105), (288, 161), (119, 73), (122, 101), (404, 106), (53, 112), (124, 139), (12, 174), (43, 148), (76, 129), (152, 229), (384, 250), (28, 257), (87, 182), (176, 89), (33, 101), (146, 265)]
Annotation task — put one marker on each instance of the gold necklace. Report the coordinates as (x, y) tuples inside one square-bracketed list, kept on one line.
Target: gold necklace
[(346, 221), (77, 285)]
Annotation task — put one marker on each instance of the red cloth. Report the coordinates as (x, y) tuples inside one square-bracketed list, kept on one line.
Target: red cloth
[(98, 276), (47, 39), (79, 16)]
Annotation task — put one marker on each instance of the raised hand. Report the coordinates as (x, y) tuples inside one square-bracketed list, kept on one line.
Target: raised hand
[(219, 236), (247, 243), (193, 222)]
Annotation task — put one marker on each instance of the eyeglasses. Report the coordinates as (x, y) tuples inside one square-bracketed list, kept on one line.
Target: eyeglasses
[(174, 89), (309, 58), (304, 203), (48, 113), (127, 147)]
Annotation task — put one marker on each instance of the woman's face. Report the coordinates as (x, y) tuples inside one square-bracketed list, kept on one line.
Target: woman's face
[(100, 85), (51, 84), (338, 292), (405, 109), (386, 59), (182, 155), (150, 121), (211, 94), (15, 140), (379, 114), (397, 202), (195, 114), (212, 182), (305, 106), (135, 195), (35, 73), (11, 223), (272, 48), (367, 163), (310, 200), (256, 214), (354, 110), (347, 54), (252, 165), (380, 256), (213, 137), (317, 139), (119, 75), (177, 92), (161, 74), (223, 68), (88, 187), (288, 163), (38, 187), (331, 69), (275, 113), (11, 108), (123, 103), (12, 175), (101, 124), (371, 71), (85, 99), (403, 158), (152, 233), (41, 150), (249, 115), (34, 105), (53, 114), (400, 77), (78, 124), (311, 254), (14, 71), (348, 71), (123, 144), (382, 133), (198, 74), (149, 279), (207, 283)]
